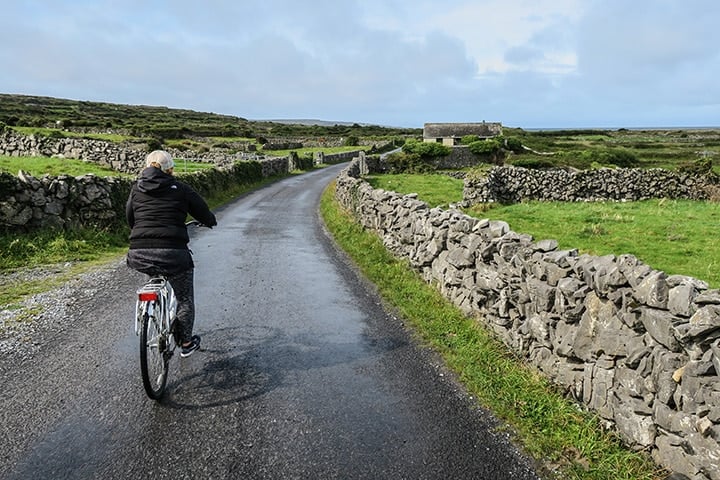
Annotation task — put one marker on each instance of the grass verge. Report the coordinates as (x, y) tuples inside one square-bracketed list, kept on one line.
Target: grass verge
[(567, 441), (55, 257)]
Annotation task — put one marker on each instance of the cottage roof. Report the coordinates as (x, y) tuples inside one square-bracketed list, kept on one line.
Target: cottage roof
[(457, 130)]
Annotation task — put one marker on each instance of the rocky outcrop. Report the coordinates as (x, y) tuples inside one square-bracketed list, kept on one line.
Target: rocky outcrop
[(639, 347)]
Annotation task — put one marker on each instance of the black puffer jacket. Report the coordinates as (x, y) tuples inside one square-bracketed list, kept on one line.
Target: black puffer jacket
[(158, 207)]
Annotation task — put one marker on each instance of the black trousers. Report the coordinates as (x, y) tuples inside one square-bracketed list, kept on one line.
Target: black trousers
[(178, 267), (183, 285)]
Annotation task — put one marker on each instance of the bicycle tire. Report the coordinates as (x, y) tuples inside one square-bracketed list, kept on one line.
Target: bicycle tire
[(153, 360)]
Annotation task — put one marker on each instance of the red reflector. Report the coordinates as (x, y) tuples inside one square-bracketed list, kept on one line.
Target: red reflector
[(148, 296)]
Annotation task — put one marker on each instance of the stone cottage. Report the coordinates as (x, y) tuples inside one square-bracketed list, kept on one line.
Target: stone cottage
[(450, 134)]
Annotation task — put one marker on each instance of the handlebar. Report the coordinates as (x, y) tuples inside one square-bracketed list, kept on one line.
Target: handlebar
[(195, 223)]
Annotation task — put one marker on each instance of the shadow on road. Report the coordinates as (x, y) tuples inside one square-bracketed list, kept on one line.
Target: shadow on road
[(242, 363)]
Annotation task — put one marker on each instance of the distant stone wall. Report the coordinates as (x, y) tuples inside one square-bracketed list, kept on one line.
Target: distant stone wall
[(514, 184), (28, 203), (460, 157), (282, 145), (335, 158), (121, 158), (129, 158), (124, 157), (66, 202), (639, 347)]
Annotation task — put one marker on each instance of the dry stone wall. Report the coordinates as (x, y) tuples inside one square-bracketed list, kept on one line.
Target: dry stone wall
[(334, 158), (514, 184), (638, 346), (460, 157), (130, 158), (125, 157), (28, 203), (64, 202), (121, 158)]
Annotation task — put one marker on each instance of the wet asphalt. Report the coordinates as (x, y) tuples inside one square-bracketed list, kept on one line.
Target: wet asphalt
[(302, 374)]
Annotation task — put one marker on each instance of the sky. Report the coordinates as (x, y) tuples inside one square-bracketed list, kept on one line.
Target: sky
[(400, 63)]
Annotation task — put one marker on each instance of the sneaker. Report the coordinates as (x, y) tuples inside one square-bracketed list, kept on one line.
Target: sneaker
[(194, 345)]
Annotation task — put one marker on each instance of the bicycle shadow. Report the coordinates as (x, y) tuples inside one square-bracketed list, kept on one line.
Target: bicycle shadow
[(250, 361)]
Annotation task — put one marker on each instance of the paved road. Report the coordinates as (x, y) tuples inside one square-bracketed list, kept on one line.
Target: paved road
[(303, 375)]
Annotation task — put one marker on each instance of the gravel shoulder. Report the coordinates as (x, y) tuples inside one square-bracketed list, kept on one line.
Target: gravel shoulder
[(26, 325)]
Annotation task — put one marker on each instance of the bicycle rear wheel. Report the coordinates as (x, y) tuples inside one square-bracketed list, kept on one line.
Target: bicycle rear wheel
[(153, 360)]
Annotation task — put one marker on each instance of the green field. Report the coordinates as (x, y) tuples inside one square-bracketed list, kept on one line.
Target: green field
[(39, 166), (678, 237), (646, 148)]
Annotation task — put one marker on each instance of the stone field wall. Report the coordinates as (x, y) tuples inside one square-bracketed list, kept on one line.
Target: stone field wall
[(513, 184), (28, 203), (121, 158), (639, 347)]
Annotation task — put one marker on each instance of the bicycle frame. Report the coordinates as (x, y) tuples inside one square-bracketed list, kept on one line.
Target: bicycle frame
[(156, 298)]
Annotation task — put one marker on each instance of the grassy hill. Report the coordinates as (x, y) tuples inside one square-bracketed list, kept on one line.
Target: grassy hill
[(162, 122)]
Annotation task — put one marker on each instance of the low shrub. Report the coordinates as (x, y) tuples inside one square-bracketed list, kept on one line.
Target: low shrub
[(513, 144), (351, 141), (490, 150), (426, 150), (55, 134), (403, 162), (485, 147), (703, 166), (468, 139), (619, 157), (586, 159), (154, 144)]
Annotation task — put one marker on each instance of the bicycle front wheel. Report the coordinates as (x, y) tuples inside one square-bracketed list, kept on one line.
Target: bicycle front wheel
[(153, 361)]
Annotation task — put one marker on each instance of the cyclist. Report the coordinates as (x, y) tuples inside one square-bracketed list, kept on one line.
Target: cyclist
[(156, 211)]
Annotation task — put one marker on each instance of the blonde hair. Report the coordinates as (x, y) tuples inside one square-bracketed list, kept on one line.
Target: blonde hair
[(160, 159)]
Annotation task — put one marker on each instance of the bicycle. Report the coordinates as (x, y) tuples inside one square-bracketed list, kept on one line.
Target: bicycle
[(155, 309), (155, 321)]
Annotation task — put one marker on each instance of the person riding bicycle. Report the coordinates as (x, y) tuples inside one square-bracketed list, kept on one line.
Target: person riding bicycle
[(156, 210)]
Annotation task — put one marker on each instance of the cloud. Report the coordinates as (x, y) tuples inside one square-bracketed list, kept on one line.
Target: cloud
[(658, 59), (400, 62), (628, 41), (495, 30)]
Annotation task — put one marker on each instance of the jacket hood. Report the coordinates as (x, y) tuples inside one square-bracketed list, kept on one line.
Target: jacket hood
[(153, 180)]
